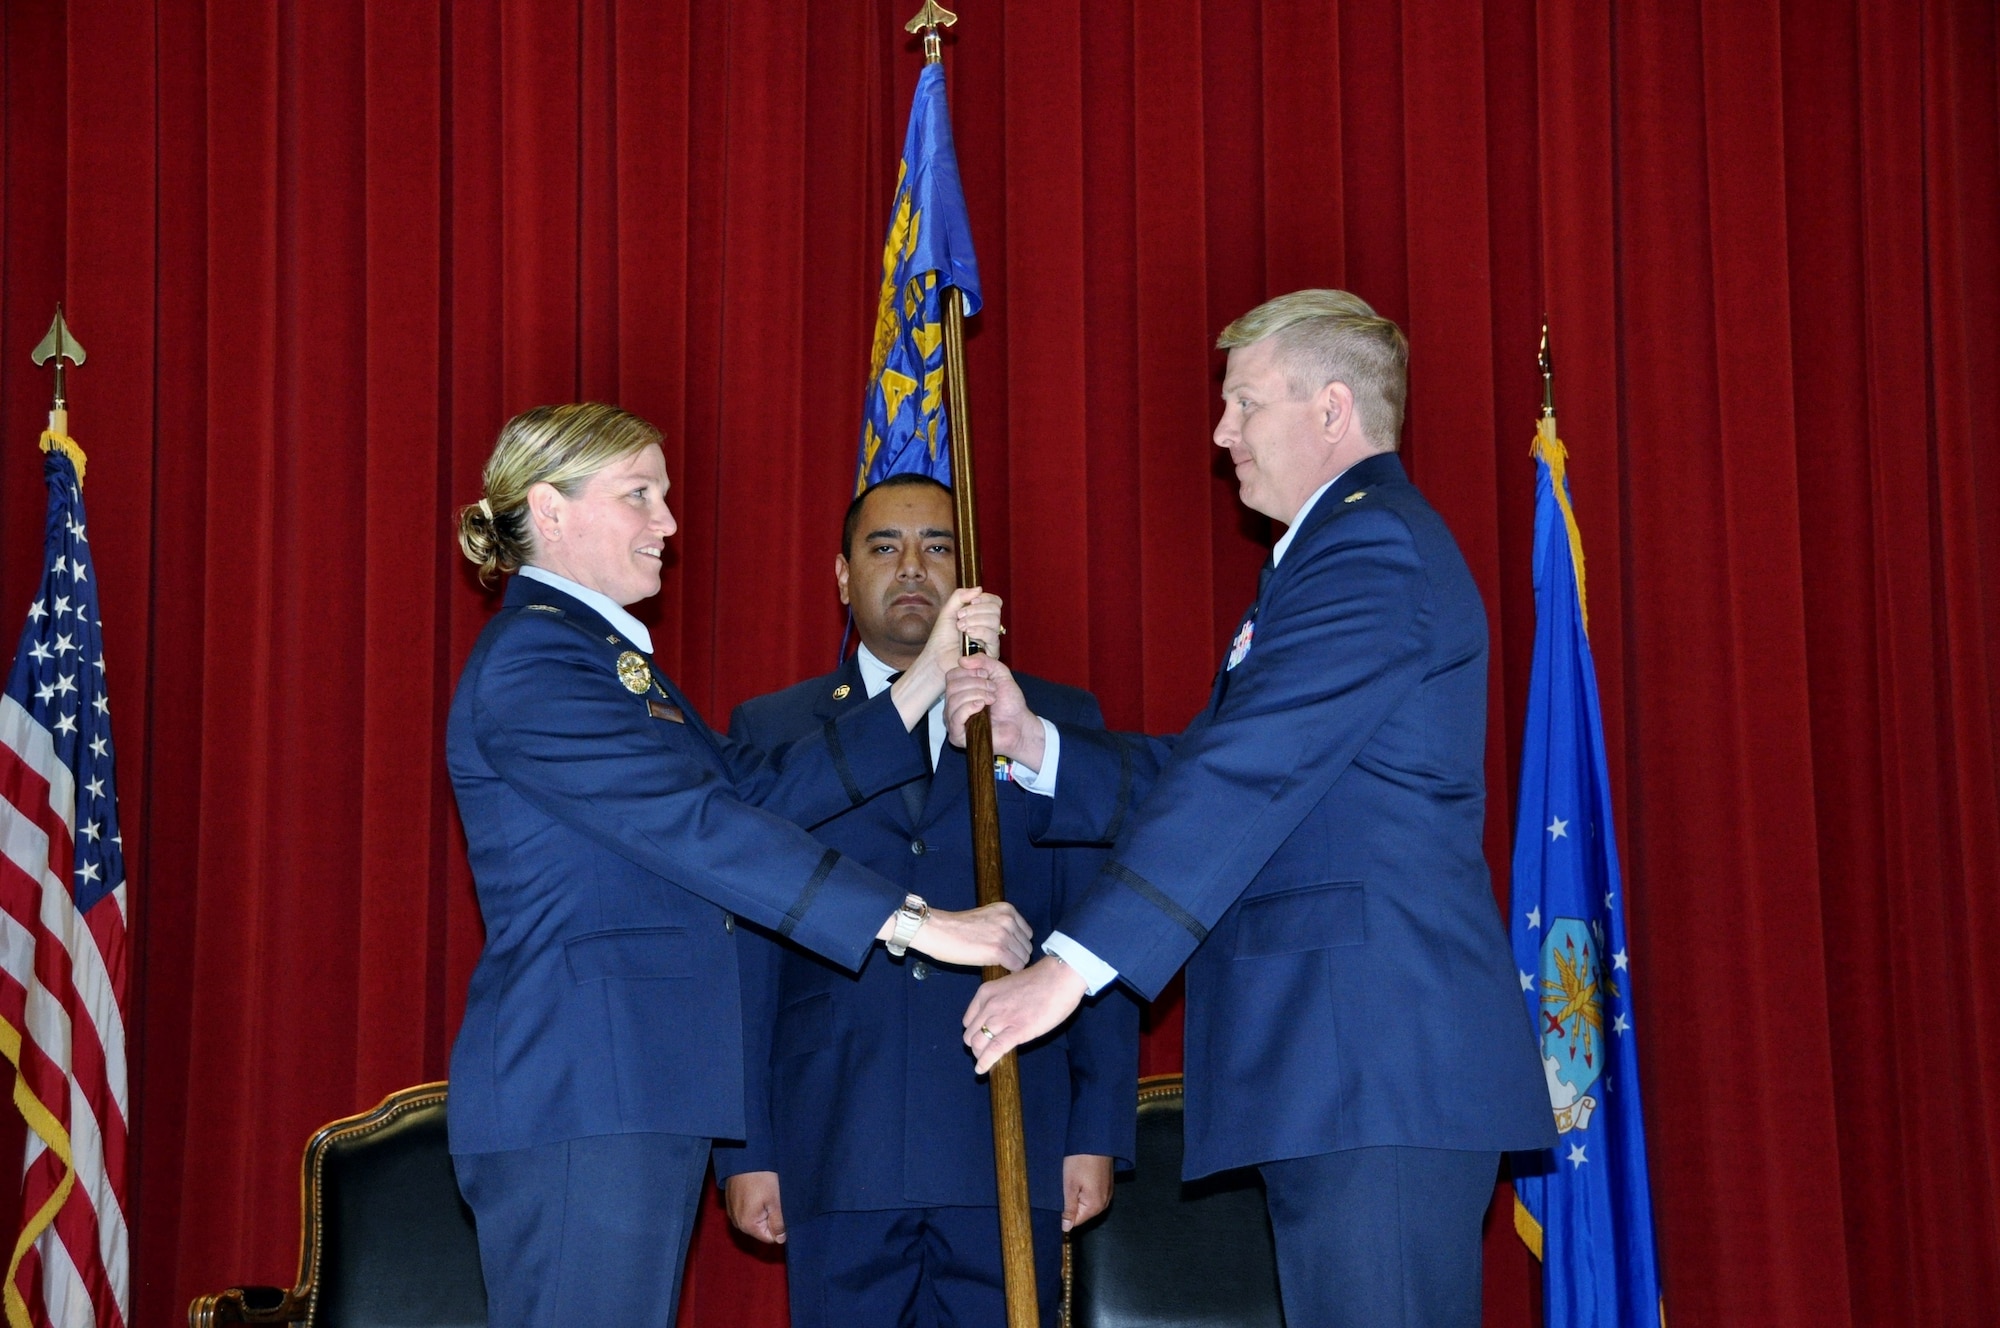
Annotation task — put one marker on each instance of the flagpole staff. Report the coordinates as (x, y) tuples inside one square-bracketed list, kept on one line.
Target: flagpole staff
[(1010, 1154)]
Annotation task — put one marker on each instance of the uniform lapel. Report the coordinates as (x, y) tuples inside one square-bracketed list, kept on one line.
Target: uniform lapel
[(688, 712), (844, 689), (1382, 468), (841, 690), (524, 592), (1365, 474), (1220, 687)]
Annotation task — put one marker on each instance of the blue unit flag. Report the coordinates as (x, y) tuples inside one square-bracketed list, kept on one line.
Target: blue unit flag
[(1585, 1208), (929, 249)]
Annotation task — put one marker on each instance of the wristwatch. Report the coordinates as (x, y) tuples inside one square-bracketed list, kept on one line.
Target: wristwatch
[(908, 918)]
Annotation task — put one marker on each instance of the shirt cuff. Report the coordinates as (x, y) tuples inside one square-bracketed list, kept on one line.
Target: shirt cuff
[(1042, 781), (1096, 974)]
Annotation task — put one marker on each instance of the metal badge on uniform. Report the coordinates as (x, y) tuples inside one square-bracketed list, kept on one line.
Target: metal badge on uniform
[(661, 710), (840, 692), (1241, 645), (1356, 496), (635, 672)]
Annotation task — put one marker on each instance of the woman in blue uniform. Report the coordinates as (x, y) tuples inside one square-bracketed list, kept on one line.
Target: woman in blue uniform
[(614, 839)]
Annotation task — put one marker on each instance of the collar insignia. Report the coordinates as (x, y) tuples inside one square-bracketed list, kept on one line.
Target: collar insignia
[(1356, 496), (840, 692)]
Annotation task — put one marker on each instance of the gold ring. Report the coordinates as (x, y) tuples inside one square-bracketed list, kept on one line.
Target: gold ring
[(989, 1032)]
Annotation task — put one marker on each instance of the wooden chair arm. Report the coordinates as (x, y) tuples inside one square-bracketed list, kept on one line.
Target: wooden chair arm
[(248, 1304)]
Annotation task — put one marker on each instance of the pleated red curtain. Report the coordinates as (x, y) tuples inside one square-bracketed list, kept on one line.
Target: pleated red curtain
[(319, 251)]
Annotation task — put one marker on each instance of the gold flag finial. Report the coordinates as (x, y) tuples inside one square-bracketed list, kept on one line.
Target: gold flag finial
[(928, 20), (1548, 375), (59, 345)]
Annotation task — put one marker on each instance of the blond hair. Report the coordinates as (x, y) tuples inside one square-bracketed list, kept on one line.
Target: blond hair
[(1331, 336), (559, 445)]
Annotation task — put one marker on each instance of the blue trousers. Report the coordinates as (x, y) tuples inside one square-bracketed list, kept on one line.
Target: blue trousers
[(585, 1231), (913, 1268), (1380, 1237)]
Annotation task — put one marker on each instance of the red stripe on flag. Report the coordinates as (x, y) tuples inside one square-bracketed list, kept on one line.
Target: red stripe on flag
[(28, 1281), (88, 1062), (24, 897), (76, 1226)]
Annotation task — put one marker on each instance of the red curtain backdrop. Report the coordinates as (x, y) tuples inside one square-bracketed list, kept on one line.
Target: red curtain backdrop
[(319, 251)]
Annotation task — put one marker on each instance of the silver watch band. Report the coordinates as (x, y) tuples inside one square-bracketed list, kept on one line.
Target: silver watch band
[(909, 918)]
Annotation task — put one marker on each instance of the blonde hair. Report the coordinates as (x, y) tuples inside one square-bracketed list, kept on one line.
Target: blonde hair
[(1331, 336), (559, 445)]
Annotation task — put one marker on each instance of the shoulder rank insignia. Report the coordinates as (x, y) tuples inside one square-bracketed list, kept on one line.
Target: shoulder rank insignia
[(543, 608), (1356, 496), (840, 692), (634, 672)]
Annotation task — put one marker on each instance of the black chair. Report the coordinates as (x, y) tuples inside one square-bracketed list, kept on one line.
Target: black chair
[(1168, 1254), (387, 1242)]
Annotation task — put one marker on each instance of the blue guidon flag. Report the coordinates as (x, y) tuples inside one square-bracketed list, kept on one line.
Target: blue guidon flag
[(1585, 1208), (929, 249)]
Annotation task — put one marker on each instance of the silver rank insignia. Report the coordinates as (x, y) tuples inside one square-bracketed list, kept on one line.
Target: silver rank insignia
[(634, 672)]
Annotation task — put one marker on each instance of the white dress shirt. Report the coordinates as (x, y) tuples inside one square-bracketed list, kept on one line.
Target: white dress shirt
[(635, 631)]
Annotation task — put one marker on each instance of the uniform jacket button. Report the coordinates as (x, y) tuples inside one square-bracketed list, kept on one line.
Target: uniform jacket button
[(917, 847), (920, 970), (728, 922)]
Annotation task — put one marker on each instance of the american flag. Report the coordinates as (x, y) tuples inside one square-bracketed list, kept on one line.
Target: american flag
[(63, 958)]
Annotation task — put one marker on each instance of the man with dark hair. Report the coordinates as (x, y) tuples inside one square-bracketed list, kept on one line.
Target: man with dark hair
[(870, 1152)]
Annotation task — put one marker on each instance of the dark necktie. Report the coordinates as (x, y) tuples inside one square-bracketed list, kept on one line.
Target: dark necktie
[(920, 732)]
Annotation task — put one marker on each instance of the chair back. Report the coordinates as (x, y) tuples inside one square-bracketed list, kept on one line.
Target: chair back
[(388, 1241), (1169, 1254)]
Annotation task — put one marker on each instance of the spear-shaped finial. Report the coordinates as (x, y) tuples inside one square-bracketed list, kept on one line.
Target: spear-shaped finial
[(59, 345), (928, 20), (1548, 375)]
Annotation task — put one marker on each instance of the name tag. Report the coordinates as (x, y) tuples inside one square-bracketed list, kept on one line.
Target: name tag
[(661, 710)]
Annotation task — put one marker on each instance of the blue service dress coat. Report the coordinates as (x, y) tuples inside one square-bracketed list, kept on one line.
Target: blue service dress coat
[(861, 1092), (1310, 848), (614, 838)]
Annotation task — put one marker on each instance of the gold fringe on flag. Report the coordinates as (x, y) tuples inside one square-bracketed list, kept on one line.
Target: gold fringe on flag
[(1550, 449), (63, 443)]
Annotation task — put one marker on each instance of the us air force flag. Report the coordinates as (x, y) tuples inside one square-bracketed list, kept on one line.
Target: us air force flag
[(903, 426), (1585, 1208)]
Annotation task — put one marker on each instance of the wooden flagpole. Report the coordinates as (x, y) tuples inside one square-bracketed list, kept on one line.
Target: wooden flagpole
[(1010, 1153)]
